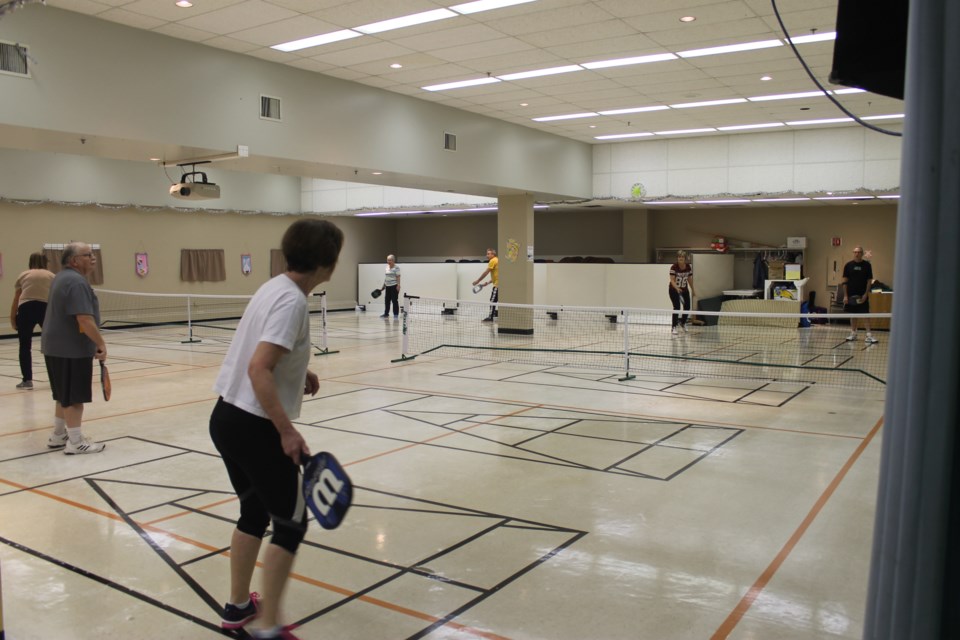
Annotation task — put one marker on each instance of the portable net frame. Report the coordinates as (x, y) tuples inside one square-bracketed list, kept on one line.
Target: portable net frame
[(640, 342), (192, 318)]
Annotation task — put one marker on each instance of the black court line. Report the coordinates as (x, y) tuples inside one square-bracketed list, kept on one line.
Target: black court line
[(116, 587)]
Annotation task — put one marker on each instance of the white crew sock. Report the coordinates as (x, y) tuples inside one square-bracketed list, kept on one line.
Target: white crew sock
[(59, 426), (75, 434)]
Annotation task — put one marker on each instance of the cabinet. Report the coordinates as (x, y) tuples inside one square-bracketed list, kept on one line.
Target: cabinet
[(881, 302)]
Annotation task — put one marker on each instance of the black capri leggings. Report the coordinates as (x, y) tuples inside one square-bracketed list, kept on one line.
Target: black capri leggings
[(266, 480)]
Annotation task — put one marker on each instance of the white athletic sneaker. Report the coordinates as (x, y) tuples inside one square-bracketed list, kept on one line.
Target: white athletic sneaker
[(673, 331), (870, 339), (57, 442), (683, 328), (851, 338), (84, 446)]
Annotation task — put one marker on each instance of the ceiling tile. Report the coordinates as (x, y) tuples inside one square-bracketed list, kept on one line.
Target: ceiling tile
[(281, 31), (238, 16), (583, 15), (184, 32), (453, 37), (88, 7), (170, 12), (230, 44), (130, 18), (477, 53), (375, 50)]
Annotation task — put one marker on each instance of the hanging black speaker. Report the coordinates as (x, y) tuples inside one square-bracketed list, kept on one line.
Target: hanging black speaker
[(871, 47)]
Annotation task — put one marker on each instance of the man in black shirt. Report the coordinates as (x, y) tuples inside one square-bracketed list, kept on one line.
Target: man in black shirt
[(857, 278)]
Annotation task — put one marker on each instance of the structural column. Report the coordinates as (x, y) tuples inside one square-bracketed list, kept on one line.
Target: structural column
[(515, 250), (636, 236)]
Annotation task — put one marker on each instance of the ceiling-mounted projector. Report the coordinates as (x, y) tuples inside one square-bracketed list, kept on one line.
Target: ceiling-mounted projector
[(194, 186)]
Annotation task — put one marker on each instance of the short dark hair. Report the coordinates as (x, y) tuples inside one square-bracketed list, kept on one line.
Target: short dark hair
[(311, 243), (38, 261)]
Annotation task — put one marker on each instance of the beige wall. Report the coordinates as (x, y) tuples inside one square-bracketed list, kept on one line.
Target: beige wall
[(559, 233), (121, 233), (872, 226)]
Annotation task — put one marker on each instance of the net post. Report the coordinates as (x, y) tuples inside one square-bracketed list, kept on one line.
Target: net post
[(322, 349), (626, 347), (190, 339), (405, 343)]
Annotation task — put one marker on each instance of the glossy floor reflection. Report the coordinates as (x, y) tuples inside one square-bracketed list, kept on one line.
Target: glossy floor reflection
[(494, 500)]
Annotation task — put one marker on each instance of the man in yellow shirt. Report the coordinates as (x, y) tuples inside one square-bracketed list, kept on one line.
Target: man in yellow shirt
[(493, 268)]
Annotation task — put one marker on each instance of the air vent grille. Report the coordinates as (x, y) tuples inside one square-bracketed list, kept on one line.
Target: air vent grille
[(270, 108), (14, 59), (449, 141)]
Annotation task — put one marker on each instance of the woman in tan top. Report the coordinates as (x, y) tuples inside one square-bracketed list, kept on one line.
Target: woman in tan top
[(28, 310)]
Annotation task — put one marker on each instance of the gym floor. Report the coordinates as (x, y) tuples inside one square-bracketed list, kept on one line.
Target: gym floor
[(493, 500)]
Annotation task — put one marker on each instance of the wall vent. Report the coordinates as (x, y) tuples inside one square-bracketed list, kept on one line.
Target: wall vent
[(270, 108), (14, 59), (450, 141)]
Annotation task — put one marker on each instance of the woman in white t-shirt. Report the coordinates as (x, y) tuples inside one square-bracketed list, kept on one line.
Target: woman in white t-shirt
[(261, 385), (29, 309)]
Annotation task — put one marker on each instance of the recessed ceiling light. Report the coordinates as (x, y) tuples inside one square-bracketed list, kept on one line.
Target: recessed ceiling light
[(184, 4), (377, 173), (688, 18), (154, 159), (396, 65), (541, 72), (765, 78), (593, 126), (485, 5), (730, 48), (524, 104), (460, 84), (316, 41), (406, 21)]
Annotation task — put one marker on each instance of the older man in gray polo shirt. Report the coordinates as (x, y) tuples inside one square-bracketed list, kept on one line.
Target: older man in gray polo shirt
[(70, 341)]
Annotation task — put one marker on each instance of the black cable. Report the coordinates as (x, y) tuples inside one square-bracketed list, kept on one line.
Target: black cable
[(842, 108)]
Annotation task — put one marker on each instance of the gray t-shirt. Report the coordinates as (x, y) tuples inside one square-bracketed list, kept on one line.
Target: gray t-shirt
[(70, 295)]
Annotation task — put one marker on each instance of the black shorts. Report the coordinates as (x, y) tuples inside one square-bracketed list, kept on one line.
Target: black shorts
[(863, 307), (70, 379)]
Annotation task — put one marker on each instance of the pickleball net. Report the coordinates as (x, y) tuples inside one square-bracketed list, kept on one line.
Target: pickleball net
[(806, 348), (191, 318)]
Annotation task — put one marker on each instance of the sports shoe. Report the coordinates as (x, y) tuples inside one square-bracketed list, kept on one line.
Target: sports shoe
[(384, 316), (870, 339), (487, 319), (57, 441), (84, 446), (234, 617), (26, 384), (683, 328), (673, 331), (851, 338), (283, 633)]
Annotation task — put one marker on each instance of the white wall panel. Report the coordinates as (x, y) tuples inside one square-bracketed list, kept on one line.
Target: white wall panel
[(699, 153), (771, 178), (824, 176), (695, 182)]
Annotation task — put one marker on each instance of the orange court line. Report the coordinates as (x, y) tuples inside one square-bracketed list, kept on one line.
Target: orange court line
[(726, 628)]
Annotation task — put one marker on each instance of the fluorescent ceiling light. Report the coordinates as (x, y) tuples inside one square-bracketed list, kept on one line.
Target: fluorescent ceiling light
[(460, 84), (840, 92), (815, 37), (541, 72), (682, 131), (787, 96), (707, 103), (844, 198), (316, 41), (892, 116), (485, 5), (621, 62), (730, 201), (670, 202), (406, 21), (740, 127), (730, 48), (617, 112), (569, 116), (890, 197), (779, 199), (797, 123), (623, 135)]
